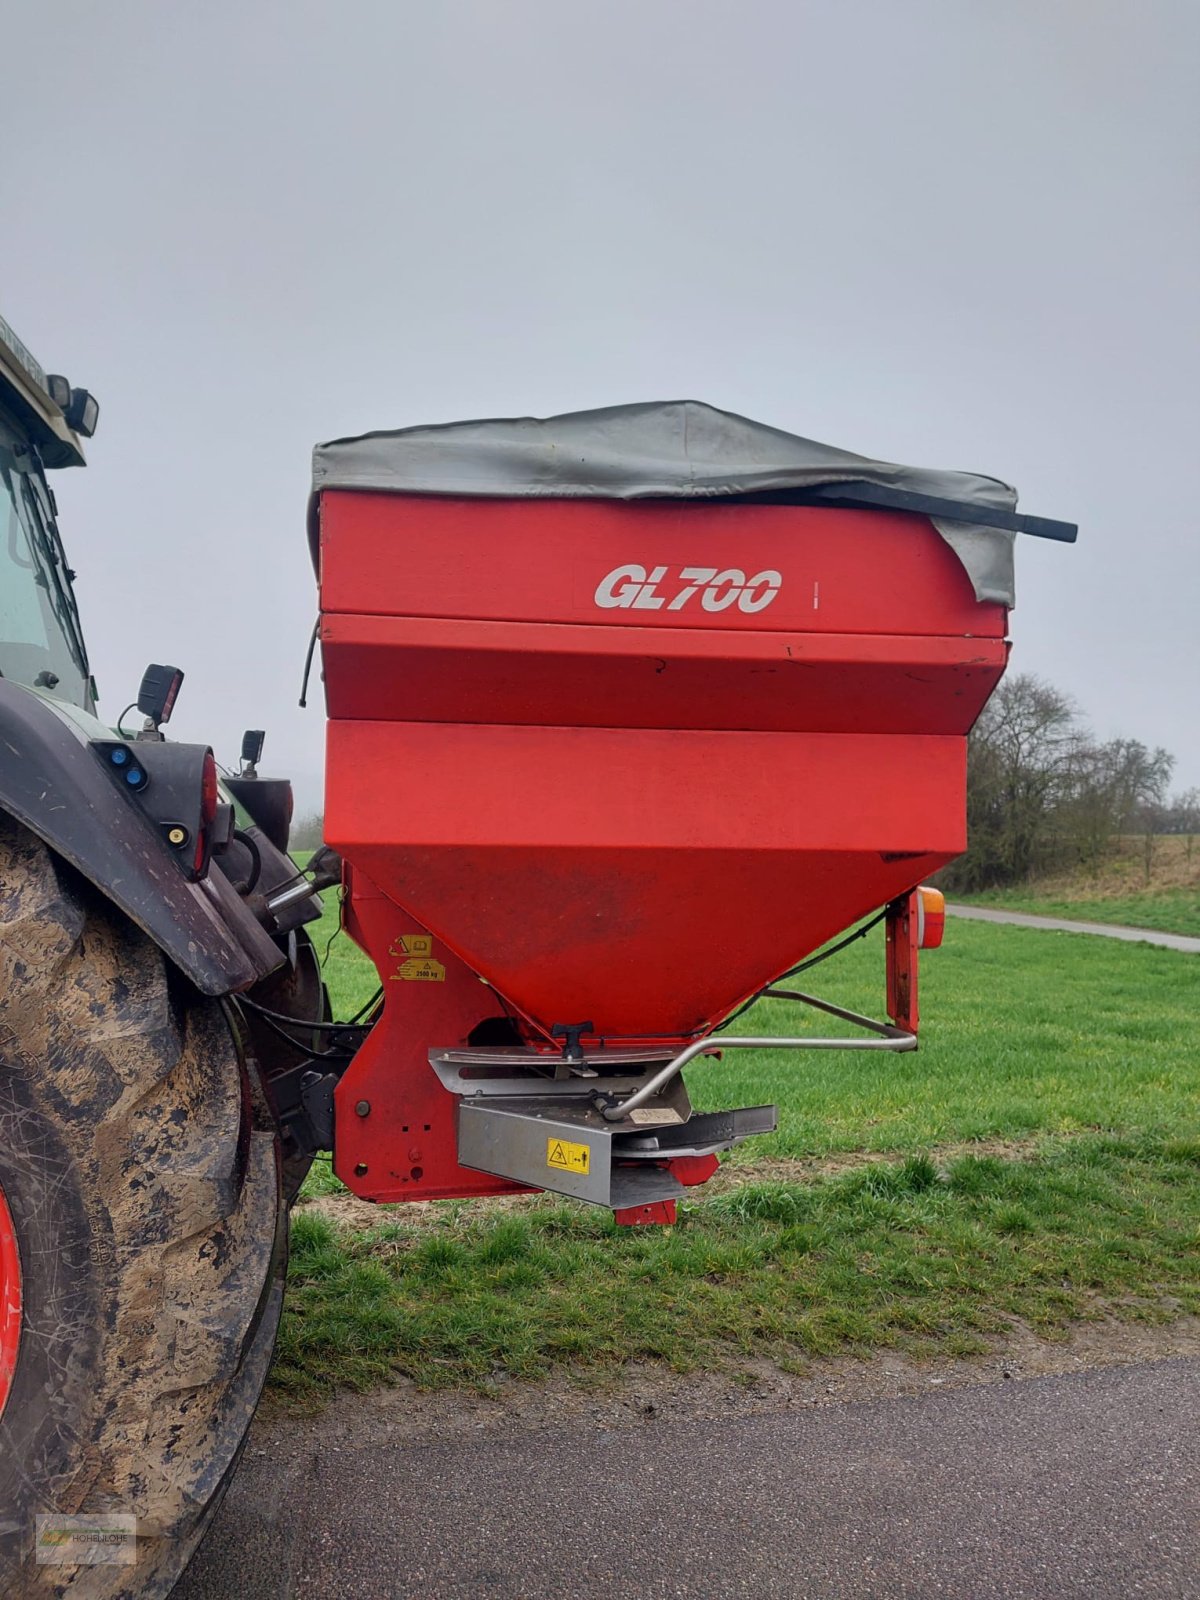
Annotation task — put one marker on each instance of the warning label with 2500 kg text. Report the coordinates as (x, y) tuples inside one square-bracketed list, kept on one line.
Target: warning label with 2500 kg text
[(417, 964)]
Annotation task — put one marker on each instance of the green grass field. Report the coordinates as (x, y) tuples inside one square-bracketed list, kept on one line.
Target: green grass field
[(1126, 888), (1168, 910), (1068, 1062)]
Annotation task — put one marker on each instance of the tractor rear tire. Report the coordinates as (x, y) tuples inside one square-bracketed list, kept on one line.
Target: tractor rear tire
[(140, 1176)]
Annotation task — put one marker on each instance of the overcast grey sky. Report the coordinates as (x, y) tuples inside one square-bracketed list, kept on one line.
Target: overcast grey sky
[(954, 233)]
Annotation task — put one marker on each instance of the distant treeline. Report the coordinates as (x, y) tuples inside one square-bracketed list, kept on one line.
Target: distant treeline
[(307, 833), (1044, 795)]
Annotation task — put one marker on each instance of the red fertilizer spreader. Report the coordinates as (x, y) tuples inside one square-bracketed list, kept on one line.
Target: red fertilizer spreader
[(630, 712)]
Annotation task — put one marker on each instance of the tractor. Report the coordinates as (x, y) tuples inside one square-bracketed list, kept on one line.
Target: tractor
[(146, 1157), (632, 714)]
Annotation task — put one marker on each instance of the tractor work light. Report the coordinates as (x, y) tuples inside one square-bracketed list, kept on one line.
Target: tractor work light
[(269, 801), (79, 407), (158, 692), (252, 748), (83, 413)]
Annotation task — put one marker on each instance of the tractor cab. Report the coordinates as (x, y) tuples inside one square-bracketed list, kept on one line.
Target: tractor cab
[(41, 640)]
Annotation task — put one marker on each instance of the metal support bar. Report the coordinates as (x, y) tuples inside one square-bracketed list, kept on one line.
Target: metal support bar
[(287, 897), (888, 1038), (884, 1028), (511, 1070), (903, 945)]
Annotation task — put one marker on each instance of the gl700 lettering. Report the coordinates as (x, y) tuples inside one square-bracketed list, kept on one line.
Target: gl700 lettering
[(632, 588)]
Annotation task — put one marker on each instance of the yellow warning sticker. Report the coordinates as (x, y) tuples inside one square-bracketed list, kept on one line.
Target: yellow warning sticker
[(418, 965), (567, 1157), (420, 969)]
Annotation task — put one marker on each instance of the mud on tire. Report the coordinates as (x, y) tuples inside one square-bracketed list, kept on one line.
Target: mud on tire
[(143, 1182)]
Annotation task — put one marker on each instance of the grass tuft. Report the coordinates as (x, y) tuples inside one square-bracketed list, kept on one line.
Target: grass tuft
[(893, 1253)]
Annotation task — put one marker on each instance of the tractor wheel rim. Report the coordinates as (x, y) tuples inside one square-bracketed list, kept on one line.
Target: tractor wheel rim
[(10, 1300)]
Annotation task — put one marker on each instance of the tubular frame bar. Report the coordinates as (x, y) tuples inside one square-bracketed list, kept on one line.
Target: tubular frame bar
[(887, 1038)]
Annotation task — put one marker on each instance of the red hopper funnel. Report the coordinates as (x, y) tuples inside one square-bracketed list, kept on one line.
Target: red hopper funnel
[(629, 712), (631, 759)]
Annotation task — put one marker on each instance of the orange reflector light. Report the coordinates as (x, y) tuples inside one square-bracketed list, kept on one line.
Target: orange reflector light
[(931, 918)]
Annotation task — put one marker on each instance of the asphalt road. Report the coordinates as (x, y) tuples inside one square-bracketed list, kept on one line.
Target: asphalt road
[(1084, 1485), (1107, 930)]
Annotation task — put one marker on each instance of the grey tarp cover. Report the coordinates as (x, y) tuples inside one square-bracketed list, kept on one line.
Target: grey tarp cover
[(681, 449)]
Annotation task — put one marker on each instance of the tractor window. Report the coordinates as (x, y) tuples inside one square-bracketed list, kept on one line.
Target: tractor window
[(39, 633)]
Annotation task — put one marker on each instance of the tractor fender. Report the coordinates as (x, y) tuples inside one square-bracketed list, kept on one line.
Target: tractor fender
[(52, 783)]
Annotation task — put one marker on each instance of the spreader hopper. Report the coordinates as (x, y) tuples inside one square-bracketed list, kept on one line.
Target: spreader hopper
[(631, 711)]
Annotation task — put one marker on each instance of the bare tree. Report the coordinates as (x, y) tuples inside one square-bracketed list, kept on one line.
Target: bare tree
[(1042, 793), (1183, 817), (1120, 787), (1021, 757), (1182, 814)]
